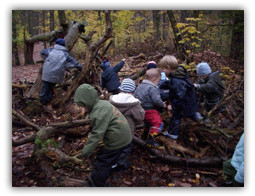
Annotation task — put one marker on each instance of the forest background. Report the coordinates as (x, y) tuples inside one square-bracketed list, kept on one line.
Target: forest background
[(225, 48)]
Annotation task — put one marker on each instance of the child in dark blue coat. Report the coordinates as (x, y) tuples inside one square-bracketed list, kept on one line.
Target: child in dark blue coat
[(109, 78), (182, 94)]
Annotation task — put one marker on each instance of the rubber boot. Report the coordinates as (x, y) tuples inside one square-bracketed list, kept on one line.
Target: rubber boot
[(152, 144)]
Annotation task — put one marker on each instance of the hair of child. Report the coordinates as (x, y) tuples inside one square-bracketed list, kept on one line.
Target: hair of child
[(153, 73), (169, 61)]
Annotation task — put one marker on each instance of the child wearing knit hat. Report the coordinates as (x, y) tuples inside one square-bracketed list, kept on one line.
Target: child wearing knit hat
[(210, 86), (128, 105)]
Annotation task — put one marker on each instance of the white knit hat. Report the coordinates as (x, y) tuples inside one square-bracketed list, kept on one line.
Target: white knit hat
[(127, 85)]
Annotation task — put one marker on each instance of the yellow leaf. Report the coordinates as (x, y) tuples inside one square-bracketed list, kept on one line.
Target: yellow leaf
[(188, 51), (171, 184)]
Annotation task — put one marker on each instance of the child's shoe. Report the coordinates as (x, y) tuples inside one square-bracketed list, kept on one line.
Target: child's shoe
[(174, 137), (152, 144)]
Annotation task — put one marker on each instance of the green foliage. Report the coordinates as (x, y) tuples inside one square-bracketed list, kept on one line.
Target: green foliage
[(190, 35), (45, 144)]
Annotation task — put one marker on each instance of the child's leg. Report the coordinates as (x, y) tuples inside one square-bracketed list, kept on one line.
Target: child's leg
[(174, 127), (153, 118), (123, 162), (103, 166), (46, 93)]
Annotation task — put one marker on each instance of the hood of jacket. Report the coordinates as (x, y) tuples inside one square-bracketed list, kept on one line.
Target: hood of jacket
[(59, 47), (180, 72), (123, 101), (86, 95), (216, 77)]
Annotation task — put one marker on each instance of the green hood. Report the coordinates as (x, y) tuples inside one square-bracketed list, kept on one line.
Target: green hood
[(180, 72), (86, 95)]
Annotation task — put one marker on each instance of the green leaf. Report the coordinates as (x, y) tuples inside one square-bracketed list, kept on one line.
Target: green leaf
[(38, 141)]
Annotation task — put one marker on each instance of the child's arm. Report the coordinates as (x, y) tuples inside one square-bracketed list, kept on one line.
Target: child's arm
[(99, 125), (164, 84), (207, 87), (156, 99), (72, 62), (45, 52), (119, 66), (138, 114)]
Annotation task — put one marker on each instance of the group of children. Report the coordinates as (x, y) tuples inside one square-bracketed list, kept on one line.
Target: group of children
[(114, 121), (132, 106)]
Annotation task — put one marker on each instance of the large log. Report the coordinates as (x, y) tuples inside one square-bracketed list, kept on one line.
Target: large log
[(205, 162)]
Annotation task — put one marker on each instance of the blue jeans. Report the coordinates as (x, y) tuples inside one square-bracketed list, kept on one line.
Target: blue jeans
[(46, 93)]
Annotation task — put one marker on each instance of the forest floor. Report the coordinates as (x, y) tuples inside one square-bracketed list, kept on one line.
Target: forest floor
[(146, 169)]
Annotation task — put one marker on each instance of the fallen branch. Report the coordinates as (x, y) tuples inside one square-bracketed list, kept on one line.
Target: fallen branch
[(172, 145), (208, 161)]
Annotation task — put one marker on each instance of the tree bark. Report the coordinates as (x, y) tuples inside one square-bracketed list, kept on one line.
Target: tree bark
[(237, 42), (52, 23), (207, 162), (180, 48), (14, 38), (34, 92), (61, 17)]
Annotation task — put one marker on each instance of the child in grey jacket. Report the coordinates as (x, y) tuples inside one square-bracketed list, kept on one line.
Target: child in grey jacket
[(57, 61), (148, 93)]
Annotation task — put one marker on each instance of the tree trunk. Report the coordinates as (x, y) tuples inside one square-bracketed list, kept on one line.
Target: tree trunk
[(14, 38), (61, 17), (180, 48), (34, 92), (237, 42), (29, 50), (156, 24), (52, 24), (29, 43)]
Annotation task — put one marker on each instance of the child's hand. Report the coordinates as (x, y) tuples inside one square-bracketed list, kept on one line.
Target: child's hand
[(195, 85), (124, 60)]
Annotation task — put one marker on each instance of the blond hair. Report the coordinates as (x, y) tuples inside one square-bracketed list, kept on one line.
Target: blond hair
[(152, 73), (168, 61)]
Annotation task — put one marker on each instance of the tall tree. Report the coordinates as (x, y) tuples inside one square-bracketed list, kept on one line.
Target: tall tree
[(156, 24), (52, 23), (15, 38), (181, 49), (237, 42), (61, 17)]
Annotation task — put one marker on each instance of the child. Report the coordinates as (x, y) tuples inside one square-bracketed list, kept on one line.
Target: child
[(110, 79), (57, 60), (128, 105), (210, 86), (110, 126), (182, 95), (233, 169), (148, 93), (164, 93)]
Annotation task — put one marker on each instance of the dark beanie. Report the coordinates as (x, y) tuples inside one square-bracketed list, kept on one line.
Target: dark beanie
[(151, 64), (60, 41)]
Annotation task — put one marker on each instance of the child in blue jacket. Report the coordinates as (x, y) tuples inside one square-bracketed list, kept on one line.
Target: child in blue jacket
[(57, 61), (109, 78), (182, 94)]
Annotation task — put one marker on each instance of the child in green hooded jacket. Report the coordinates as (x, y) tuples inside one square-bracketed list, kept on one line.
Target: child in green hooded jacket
[(109, 125)]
